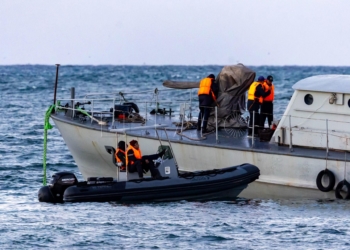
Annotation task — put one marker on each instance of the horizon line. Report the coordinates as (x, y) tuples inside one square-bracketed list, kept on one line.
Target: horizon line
[(177, 65)]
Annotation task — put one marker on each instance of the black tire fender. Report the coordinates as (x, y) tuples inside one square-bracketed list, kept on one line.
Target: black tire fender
[(339, 188), (133, 106), (331, 178)]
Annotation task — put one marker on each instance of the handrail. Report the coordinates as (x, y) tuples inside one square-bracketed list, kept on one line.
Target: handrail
[(330, 130), (149, 91), (121, 130), (188, 100)]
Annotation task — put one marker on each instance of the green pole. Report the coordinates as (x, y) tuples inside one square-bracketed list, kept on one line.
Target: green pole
[(47, 126), (44, 157)]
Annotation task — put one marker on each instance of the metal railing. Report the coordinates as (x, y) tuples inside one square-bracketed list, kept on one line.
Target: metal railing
[(293, 124), (98, 101)]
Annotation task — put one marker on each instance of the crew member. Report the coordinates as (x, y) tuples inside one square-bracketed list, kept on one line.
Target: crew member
[(120, 156), (256, 94), (207, 95), (267, 105), (141, 164)]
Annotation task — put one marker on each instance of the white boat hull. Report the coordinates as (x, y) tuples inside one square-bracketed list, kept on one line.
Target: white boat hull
[(282, 176)]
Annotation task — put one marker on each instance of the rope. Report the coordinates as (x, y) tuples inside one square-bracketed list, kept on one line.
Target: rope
[(187, 124), (47, 126), (193, 139), (91, 117)]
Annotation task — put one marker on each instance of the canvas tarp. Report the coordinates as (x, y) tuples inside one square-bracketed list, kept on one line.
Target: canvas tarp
[(234, 81)]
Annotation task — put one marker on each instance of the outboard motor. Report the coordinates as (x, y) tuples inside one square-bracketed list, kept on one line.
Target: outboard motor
[(54, 191)]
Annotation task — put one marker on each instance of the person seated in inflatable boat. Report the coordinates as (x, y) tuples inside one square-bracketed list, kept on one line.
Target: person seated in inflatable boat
[(141, 164), (120, 156)]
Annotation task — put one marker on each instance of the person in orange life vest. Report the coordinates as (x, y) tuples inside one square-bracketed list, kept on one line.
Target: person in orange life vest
[(141, 164), (120, 155), (256, 94), (206, 95), (266, 110)]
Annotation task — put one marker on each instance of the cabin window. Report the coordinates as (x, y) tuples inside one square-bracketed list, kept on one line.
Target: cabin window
[(349, 103), (308, 99)]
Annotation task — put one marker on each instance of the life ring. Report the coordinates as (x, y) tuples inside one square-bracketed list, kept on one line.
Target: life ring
[(133, 106), (339, 188), (331, 178)]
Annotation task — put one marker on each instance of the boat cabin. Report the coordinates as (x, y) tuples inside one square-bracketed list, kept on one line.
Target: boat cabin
[(318, 114)]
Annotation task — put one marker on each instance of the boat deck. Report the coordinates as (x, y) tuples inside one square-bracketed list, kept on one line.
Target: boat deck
[(236, 139)]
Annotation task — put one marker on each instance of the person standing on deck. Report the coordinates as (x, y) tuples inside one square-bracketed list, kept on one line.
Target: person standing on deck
[(207, 96), (267, 105), (256, 94)]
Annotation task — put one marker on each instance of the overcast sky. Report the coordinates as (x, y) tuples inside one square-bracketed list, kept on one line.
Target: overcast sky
[(177, 32)]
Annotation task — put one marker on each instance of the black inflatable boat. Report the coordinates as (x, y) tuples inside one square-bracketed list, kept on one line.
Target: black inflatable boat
[(217, 184)]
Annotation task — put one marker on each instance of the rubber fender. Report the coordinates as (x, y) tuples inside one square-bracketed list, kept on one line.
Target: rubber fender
[(331, 178), (339, 188), (133, 106)]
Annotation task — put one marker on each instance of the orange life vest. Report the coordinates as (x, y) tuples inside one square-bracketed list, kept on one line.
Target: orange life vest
[(137, 154), (270, 97), (251, 92), (205, 87), (119, 160)]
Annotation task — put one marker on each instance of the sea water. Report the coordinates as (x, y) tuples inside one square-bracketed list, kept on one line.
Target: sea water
[(27, 91)]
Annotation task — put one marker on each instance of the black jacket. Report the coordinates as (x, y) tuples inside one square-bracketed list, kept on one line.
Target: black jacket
[(131, 156), (259, 91)]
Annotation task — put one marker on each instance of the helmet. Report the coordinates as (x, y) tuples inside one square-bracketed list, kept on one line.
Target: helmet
[(261, 78)]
